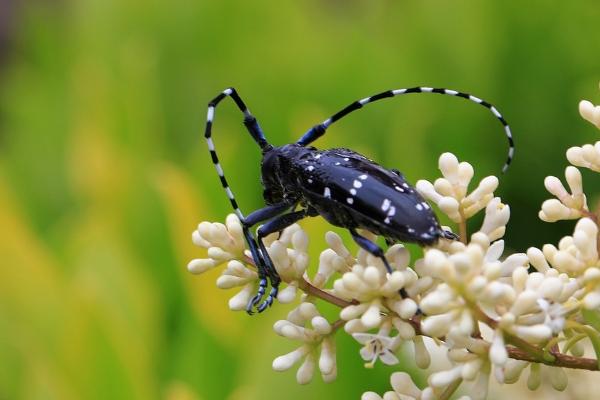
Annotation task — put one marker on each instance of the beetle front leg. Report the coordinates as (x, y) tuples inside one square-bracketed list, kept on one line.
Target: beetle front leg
[(262, 266), (275, 225)]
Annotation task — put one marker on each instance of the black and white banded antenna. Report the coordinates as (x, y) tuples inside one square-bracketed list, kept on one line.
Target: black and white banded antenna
[(318, 130)]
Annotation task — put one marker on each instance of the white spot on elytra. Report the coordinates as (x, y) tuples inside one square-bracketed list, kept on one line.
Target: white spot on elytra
[(386, 204), (398, 188), (411, 230), (363, 177), (357, 184), (337, 163), (327, 193), (419, 207), (317, 156), (310, 168), (346, 159), (425, 205), (392, 211), (405, 185), (350, 200), (310, 181), (353, 192), (387, 220)]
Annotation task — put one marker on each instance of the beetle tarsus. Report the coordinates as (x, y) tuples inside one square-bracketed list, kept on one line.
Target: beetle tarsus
[(270, 298), (262, 287)]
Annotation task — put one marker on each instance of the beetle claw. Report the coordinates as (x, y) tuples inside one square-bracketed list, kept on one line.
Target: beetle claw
[(262, 286), (269, 300)]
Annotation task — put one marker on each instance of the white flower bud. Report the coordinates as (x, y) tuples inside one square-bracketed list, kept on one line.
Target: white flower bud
[(450, 206), (525, 303), (445, 378), (533, 333), (592, 300), (371, 277), (471, 369), (353, 311), (551, 288), (555, 187), (589, 112), (437, 325), (372, 317), (200, 265), (402, 383), (535, 377), (591, 275), (575, 157), (498, 353), (513, 370), (219, 254), (199, 241), (335, 242), (286, 361), (240, 300), (327, 360), (288, 294), (553, 210), (321, 325), (537, 259), (426, 189), (448, 165), (306, 371), (444, 187), (422, 357), (558, 378), (438, 301)]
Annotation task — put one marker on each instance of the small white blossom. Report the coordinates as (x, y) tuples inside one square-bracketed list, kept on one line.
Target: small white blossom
[(224, 243), (495, 220), (566, 205), (575, 254), (306, 325), (376, 291), (590, 112), (378, 346), (450, 192), (290, 263), (237, 275)]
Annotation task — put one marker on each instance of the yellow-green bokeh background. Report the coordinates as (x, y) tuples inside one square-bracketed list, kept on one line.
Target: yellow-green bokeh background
[(104, 175)]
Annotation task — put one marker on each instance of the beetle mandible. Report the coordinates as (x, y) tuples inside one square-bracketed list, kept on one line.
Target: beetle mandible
[(344, 187)]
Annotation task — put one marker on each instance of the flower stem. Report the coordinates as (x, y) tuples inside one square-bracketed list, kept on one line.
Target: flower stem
[(560, 359), (462, 231), (323, 295)]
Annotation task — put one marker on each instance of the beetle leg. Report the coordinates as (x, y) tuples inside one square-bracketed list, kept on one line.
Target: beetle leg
[(277, 224), (371, 248), (257, 255), (376, 251), (450, 235)]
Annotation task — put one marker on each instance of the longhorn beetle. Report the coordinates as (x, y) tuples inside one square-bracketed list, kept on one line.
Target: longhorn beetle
[(341, 185)]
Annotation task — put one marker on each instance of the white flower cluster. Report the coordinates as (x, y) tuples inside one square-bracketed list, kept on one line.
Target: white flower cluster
[(495, 316)]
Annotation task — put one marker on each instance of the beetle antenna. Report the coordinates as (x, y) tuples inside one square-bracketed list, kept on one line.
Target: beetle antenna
[(253, 128), (318, 130)]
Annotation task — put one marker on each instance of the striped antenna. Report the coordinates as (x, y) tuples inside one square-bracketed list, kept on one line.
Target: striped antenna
[(318, 130), (253, 128)]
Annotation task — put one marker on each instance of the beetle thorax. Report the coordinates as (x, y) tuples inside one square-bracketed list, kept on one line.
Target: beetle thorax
[(279, 173)]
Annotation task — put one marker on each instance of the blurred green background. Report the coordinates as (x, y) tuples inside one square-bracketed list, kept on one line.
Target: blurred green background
[(104, 174)]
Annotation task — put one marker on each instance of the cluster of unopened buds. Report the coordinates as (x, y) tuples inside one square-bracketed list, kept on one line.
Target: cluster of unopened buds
[(494, 315)]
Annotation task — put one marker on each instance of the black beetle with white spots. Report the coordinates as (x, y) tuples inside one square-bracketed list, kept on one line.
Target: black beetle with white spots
[(344, 187)]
